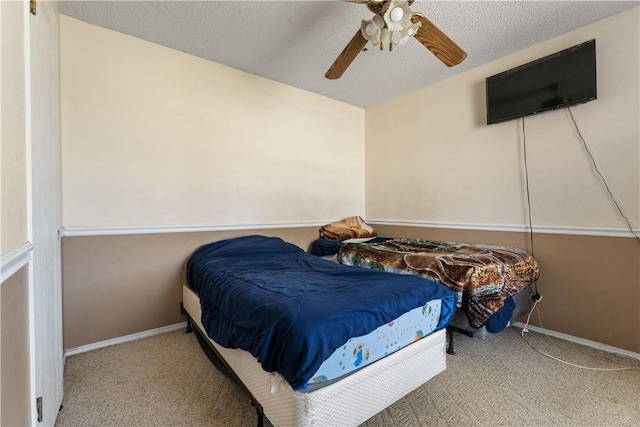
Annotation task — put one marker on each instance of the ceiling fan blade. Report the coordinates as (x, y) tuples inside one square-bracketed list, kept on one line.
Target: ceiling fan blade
[(346, 57), (438, 42)]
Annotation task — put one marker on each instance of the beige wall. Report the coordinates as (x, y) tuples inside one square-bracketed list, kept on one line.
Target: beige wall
[(120, 285), (152, 136), (14, 351), (447, 166), (13, 173)]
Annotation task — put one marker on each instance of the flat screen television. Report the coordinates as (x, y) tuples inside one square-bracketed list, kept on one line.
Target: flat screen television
[(559, 80)]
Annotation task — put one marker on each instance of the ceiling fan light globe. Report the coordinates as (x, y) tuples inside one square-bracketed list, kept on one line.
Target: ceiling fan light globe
[(396, 36), (396, 14), (363, 29), (404, 40), (375, 40), (371, 29), (378, 21), (370, 32)]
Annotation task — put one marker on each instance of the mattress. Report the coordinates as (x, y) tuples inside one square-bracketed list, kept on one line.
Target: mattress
[(483, 276), (348, 402), (361, 351)]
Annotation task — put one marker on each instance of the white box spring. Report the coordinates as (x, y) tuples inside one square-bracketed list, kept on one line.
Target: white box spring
[(347, 402)]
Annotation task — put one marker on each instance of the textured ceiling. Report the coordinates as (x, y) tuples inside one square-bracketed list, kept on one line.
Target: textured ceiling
[(295, 42)]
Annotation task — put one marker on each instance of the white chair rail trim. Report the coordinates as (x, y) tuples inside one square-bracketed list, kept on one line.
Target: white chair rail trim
[(109, 231), (14, 260), (549, 229)]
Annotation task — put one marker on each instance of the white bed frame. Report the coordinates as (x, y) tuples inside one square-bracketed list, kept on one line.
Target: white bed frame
[(348, 402)]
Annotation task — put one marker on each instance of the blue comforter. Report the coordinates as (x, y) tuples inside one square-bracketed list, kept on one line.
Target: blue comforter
[(292, 310)]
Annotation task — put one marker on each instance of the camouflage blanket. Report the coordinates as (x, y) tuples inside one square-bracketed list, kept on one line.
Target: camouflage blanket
[(483, 276)]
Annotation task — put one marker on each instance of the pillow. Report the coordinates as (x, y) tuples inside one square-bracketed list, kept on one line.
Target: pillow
[(501, 318)]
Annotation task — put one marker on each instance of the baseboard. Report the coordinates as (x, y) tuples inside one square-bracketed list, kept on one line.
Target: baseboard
[(581, 341), (126, 338), (177, 326)]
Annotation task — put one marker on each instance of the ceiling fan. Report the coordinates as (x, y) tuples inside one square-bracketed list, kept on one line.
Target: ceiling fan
[(394, 24)]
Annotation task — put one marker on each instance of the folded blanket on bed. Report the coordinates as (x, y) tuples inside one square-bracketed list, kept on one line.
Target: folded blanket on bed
[(483, 276), (353, 227)]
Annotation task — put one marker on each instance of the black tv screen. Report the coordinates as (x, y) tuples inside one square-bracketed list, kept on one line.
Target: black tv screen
[(561, 79)]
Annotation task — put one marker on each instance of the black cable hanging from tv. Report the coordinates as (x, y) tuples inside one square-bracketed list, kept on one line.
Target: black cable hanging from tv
[(526, 175), (604, 181)]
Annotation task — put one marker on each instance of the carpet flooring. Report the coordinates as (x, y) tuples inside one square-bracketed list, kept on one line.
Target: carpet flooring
[(167, 380)]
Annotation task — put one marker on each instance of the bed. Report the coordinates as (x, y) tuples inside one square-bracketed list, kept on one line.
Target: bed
[(483, 277), (299, 332)]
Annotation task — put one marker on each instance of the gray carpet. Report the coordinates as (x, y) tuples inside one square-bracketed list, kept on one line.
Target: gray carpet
[(167, 380)]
